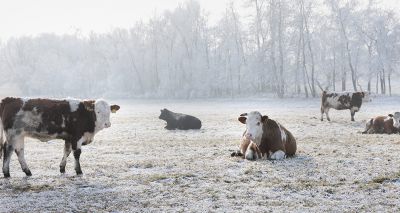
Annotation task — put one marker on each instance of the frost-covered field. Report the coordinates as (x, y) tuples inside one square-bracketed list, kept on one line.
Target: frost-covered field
[(137, 165)]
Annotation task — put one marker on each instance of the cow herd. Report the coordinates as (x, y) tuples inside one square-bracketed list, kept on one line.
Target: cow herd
[(77, 121)]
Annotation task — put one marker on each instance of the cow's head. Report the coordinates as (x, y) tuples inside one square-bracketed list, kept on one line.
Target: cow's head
[(254, 125), (164, 114), (396, 119), (366, 96), (103, 111)]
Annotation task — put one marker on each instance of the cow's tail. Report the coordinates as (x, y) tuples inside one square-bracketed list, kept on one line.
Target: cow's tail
[(1, 138)]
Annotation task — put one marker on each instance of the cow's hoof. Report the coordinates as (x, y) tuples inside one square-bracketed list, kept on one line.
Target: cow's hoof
[(62, 170), (28, 172), (79, 173), (6, 175)]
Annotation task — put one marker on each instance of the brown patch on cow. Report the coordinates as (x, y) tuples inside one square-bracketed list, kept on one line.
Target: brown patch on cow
[(271, 140), (9, 107), (380, 125)]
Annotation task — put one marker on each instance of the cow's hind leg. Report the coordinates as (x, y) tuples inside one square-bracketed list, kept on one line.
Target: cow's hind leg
[(8, 150), (326, 110), (19, 150), (67, 151)]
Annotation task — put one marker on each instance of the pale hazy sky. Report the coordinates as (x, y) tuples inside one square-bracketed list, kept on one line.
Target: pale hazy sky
[(31, 17)]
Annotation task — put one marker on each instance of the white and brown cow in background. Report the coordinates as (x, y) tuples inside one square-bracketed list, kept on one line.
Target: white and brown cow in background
[(74, 121), (389, 124), (341, 101), (265, 137)]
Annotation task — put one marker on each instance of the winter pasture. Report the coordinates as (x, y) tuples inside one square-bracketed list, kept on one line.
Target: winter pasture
[(138, 166)]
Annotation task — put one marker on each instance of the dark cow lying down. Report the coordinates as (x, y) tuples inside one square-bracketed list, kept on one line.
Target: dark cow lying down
[(76, 122), (383, 124), (341, 101), (265, 137), (179, 121)]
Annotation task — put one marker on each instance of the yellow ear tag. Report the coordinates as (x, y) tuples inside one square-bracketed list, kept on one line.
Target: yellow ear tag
[(114, 111)]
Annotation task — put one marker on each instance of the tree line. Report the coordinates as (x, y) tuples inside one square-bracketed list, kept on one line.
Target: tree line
[(282, 47)]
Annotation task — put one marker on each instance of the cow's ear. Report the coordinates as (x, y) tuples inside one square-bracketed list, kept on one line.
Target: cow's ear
[(114, 108), (242, 119), (363, 94), (243, 114), (390, 115), (264, 118)]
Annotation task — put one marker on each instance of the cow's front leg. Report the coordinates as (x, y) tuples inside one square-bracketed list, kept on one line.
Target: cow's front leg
[(77, 154), (76, 148), (278, 155), (252, 152), (67, 151), (352, 114)]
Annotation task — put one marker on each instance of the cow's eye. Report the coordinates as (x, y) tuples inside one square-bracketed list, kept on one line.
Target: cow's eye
[(258, 123)]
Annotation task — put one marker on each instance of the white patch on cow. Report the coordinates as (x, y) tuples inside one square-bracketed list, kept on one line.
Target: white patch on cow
[(63, 121), (283, 133), (249, 153), (102, 110), (334, 100), (254, 127), (73, 104), (24, 100), (355, 109), (396, 119), (278, 155), (19, 142), (28, 119)]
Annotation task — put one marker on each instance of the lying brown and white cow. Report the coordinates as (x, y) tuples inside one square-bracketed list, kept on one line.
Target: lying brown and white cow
[(383, 124), (341, 101), (74, 121), (265, 137)]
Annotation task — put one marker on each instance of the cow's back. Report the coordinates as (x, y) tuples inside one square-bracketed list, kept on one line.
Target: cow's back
[(271, 138)]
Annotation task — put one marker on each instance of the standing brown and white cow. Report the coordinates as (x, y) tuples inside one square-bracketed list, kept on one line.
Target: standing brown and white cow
[(341, 101), (74, 121), (383, 124), (265, 137)]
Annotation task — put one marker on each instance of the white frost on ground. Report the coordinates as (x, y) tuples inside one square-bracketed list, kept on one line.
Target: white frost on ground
[(137, 165)]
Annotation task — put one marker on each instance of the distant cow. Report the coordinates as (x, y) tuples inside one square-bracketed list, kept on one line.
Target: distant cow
[(383, 124), (74, 121), (265, 137), (341, 101), (179, 121)]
